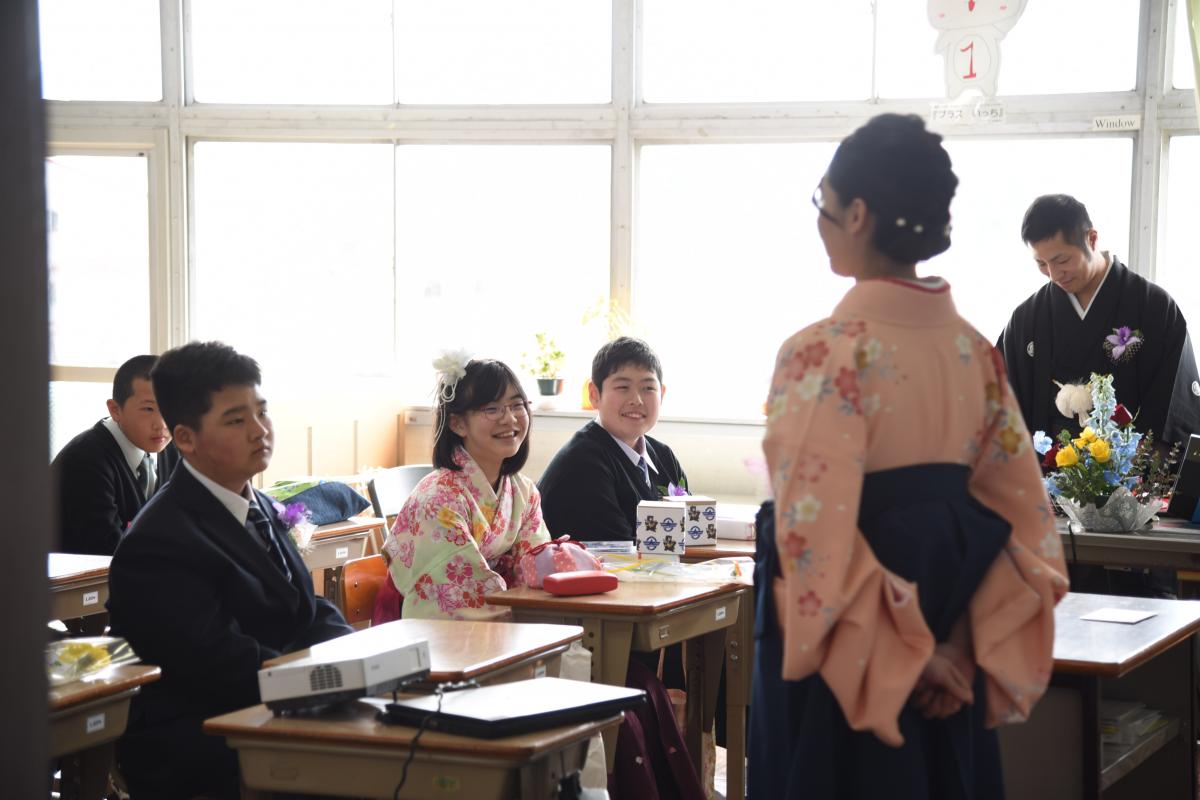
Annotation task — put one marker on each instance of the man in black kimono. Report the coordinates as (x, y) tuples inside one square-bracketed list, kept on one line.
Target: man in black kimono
[(1097, 315)]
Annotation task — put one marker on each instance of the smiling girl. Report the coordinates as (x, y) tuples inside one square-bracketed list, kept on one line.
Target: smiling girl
[(466, 525)]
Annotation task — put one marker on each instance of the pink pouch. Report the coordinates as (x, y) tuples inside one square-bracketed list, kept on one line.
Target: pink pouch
[(559, 555)]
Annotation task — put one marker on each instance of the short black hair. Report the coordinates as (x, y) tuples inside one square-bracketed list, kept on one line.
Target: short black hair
[(619, 353), (136, 367), (1052, 214), (186, 378), (903, 174), (485, 381)]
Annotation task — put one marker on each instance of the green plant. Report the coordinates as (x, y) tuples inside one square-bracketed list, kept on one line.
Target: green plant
[(547, 360)]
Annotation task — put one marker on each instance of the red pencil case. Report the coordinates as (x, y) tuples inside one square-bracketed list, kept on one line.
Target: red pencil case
[(591, 581)]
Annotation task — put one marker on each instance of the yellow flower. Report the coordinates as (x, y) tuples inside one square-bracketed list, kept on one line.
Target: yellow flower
[(1011, 441), (1099, 450), (1067, 457), (1088, 435), (447, 518)]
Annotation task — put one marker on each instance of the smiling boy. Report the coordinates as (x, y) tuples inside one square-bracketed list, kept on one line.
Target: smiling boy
[(592, 486), (207, 584), (1096, 315), (106, 474)]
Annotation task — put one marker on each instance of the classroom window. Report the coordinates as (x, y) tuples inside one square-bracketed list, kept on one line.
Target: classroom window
[(99, 249), (100, 50), (495, 243), (755, 50), (728, 265), (75, 406), (988, 265), (1183, 73), (484, 51), (292, 51), (292, 256), (1177, 253)]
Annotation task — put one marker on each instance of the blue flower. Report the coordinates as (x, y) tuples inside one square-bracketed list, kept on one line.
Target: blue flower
[(1042, 443), (1052, 486)]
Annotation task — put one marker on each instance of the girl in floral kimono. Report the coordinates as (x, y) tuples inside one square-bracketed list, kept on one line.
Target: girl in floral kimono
[(906, 592), (466, 524)]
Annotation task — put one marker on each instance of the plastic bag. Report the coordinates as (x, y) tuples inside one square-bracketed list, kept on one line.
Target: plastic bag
[(71, 659)]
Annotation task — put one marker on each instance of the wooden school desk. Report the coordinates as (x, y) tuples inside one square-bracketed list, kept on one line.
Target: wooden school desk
[(489, 652), (78, 584), (648, 617), (724, 548), (1058, 753), (1171, 544), (86, 717), (334, 544), (349, 753)]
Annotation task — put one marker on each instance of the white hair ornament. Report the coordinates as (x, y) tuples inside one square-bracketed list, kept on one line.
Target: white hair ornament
[(451, 366)]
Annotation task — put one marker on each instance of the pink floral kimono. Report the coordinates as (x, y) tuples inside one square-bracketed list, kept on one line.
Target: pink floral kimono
[(908, 497), (456, 540)]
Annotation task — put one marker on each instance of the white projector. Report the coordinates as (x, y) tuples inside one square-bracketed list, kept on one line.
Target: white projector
[(367, 662)]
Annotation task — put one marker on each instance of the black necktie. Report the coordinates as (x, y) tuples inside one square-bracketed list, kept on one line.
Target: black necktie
[(258, 524)]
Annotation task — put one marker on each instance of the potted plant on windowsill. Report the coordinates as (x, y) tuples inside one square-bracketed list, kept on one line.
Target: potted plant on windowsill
[(545, 364)]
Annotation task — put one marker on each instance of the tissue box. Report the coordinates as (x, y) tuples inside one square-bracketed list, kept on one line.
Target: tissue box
[(736, 521), (659, 527), (700, 519)]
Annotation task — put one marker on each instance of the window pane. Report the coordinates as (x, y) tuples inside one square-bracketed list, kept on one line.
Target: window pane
[(100, 51), (511, 51), (990, 268), (99, 254), (1035, 56), (755, 50), (1068, 47), (75, 407), (292, 51), (494, 244), (1177, 252), (292, 256), (1184, 71), (728, 265)]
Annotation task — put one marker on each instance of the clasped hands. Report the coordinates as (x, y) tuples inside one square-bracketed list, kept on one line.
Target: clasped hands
[(945, 683)]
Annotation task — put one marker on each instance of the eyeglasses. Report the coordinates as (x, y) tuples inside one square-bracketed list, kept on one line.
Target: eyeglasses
[(818, 201), (493, 413)]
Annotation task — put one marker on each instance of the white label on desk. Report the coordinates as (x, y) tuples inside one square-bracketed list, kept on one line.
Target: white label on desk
[(91, 598), (720, 613), (1127, 616), (341, 552), (95, 723), (539, 670)]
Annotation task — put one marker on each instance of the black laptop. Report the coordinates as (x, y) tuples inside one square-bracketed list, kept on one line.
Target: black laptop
[(511, 709)]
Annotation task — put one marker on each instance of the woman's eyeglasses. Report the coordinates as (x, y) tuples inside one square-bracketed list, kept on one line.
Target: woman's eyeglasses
[(818, 200), (492, 413)]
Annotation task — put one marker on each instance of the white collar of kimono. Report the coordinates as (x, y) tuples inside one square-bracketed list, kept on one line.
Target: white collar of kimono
[(133, 454), (1079, 309), (635, 455), (923, 303), (238, 504), (473, 473)]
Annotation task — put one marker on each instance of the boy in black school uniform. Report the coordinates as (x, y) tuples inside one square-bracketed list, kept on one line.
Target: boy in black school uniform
[(207, 584), (107, 473), (592, 486)]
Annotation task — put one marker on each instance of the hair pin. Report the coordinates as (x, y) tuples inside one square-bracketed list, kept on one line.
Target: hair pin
[(451, 366)]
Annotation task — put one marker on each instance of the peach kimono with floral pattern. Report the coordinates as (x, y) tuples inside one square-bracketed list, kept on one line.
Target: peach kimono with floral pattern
[(456, 540), (896, 378)]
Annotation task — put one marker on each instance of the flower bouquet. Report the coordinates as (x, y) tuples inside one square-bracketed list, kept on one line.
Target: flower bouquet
[(1109, 478), (298, 520)]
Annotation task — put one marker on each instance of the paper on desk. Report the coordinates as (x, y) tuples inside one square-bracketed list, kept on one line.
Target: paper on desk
[(1127, 616)]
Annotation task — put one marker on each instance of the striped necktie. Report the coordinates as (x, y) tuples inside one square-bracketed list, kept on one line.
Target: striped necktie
[(645, 471), (258, 524), (145, 476)]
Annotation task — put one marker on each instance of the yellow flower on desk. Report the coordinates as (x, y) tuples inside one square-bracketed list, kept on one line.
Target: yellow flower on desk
[(1086, 437), (1099, 450), (1066, 457)]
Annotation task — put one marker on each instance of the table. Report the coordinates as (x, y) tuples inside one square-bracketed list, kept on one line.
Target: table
[(724, 548), (648, 616), (488, 652), (78, 584), (1171, 544), (349, 753), (334, 544), (86, 717), (1058, 752)]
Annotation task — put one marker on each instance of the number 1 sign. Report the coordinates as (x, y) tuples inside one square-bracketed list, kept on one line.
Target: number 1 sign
[(969, 41)]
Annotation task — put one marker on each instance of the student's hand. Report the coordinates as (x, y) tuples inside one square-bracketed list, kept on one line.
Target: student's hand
[(943, 687)]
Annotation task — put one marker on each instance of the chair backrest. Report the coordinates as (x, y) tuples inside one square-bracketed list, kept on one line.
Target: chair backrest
[(361, 579), (391, 487)]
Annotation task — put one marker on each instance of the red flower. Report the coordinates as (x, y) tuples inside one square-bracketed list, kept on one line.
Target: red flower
[(1048, 461), (810, 604), (1121, 416)]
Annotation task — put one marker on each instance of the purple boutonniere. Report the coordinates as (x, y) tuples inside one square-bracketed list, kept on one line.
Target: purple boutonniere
[(1123, 343), (298, 520)]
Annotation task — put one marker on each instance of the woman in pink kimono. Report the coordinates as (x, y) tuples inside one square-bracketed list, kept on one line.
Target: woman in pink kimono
[(907, 589), (466, 524)]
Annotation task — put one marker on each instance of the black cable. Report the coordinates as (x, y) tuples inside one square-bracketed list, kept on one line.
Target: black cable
[(440, 692)]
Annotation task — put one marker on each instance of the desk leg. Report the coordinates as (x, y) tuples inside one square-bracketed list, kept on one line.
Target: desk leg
[(85, 774), (333, 585), (704, 654), (610, 643), (739, 668), (540, 780)]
